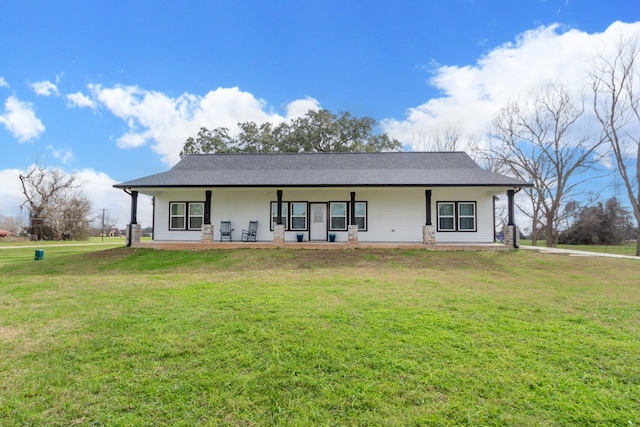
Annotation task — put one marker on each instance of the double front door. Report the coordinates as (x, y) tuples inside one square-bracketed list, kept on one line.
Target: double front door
[(318, 223)]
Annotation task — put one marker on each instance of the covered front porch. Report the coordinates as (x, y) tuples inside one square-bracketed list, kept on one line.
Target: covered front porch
[(193, 246)]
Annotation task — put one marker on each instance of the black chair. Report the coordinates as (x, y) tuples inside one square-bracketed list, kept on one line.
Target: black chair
[(225, 230), (250, 234)]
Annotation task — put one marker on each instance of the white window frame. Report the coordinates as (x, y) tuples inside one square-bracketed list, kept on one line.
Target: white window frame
[(183, 215), (191, 216), (345, 216), (461, 216), (186, 216), (452, 216), (293, 215), (363, 217), (457, 217)]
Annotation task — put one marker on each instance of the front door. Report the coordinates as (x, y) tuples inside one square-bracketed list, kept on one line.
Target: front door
[(318, 227)]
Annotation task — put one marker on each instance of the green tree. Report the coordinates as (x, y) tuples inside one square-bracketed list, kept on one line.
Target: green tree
[(316, 131)]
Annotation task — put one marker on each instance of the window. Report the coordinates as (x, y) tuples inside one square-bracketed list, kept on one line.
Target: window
[(466, 216), (274, 214), (361, 215), (196, 216), (186, 215), (456, 216), (446, 216), (338, 216), (298, 216), (176, 216)]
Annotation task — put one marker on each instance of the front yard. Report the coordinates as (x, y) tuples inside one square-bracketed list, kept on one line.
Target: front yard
[(301, 337)]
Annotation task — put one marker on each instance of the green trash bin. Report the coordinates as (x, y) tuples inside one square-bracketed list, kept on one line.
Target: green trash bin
[(39, 254)]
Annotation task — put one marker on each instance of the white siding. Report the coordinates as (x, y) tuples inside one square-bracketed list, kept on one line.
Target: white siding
[(393, 214)]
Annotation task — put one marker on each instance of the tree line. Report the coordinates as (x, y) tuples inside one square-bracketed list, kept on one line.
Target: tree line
[(539, 138)]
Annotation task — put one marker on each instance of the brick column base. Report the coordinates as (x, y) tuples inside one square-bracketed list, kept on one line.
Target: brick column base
[(278, 234), (429, 236), (206, 235), (511, 236), (136, 233), (352, 232)]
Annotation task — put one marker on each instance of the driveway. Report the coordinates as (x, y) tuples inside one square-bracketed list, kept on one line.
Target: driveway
[(571, 252)]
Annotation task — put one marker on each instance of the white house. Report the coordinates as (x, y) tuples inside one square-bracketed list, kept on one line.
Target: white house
[(400, 197)]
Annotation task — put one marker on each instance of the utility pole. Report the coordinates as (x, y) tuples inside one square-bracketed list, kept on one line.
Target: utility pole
[(102, 234)]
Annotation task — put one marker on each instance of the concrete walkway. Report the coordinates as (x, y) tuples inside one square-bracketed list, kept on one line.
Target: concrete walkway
[(53, 245), (571, 252)]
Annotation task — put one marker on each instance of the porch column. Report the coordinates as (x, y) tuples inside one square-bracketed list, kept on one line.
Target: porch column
[(206, 231), (279, 219), (427, 197), (133, 230), (352, 229), (428, 230), (134, 207), (510, 194), (207, 207), (278, 228), (511, 232)]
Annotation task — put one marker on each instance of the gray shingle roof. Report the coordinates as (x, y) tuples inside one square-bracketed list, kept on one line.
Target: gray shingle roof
[(325, 169)]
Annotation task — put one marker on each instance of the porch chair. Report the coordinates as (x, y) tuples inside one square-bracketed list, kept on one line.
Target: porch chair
[(225, 230), (250, 234)]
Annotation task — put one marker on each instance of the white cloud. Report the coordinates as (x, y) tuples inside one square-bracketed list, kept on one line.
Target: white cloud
[(64, 155), (98, 186), (3, 82), (80, 100), (300, 107), (166, 122), (45, 88), (20, 119), (471, 95), (11, 193)]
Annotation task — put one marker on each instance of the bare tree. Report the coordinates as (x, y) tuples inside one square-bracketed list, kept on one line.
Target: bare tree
[(56, 206), (441, 138), (616, 103), (540, 143)]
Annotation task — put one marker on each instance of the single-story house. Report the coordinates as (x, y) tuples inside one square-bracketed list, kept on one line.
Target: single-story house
[(400, 197)]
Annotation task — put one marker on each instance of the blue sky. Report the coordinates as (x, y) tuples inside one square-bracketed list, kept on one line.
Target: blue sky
[(111, 89)]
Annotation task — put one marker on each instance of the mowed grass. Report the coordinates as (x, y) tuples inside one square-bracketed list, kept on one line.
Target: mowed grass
[(301, 337)]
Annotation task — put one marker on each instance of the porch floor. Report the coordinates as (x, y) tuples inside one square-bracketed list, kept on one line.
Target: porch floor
[(194, 246)]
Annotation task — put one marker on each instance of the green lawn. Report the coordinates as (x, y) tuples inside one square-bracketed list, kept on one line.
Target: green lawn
[(246, 337)]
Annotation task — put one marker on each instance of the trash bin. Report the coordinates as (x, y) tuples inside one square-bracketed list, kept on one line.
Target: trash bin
[(300, 237), (332, 237), (39, 254)]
